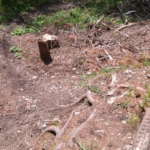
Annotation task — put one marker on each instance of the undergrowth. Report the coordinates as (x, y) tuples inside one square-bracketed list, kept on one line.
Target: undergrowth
[(61, 19)]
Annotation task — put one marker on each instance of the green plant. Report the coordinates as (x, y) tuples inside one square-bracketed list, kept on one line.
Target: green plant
[(96, 89), (83, 84), (15, 50), (80, 60), (134, 119), (146, 62), (126, 103), (88, 146), (18, 55), (20, 31)]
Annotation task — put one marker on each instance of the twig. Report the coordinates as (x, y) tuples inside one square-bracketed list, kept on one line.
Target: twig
[(108, 55)]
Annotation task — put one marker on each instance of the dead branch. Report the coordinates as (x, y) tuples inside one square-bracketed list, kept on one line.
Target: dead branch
[(125, 26), (76, 130)]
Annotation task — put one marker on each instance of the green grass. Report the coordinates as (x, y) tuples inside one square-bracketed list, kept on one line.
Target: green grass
[(126, 103), (88, 146), (55, 123), (104, 72), (134, 119), (146, 62), (95, 89)]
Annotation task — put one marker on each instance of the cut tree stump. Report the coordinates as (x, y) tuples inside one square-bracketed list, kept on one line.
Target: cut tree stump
[(46, 43)]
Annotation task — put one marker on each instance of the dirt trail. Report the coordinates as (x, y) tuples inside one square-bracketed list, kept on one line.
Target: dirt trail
[(30, 92)]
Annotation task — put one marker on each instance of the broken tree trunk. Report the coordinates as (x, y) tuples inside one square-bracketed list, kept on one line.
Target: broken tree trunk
[(46, 43)]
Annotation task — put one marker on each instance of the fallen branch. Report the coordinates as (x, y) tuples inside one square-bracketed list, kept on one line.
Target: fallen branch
[(122, 27), (76, 130)]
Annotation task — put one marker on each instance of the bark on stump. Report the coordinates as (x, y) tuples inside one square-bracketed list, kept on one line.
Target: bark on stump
[(46, 43)]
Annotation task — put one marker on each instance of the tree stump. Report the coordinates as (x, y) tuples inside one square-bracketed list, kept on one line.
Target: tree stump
[(46, 43)]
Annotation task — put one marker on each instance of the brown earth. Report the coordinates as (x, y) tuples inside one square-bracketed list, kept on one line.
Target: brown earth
[(31, 91)]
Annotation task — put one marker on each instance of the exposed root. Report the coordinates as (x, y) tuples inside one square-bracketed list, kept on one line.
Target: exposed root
[(59, 132), (88, 95), (126, 85), (142, 140), (54, 129), (58, 147), (76, 130), (90, 98), (64, 127)]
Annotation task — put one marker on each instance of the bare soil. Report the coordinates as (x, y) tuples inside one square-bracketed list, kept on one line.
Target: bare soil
[(31, 91)]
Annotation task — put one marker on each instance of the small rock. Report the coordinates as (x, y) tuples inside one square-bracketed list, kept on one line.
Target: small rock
[(77, 113), (138, 94), (44, 125), (34, 77), (128, 71), (124, 121), (99, 131), (74, 69), (128, 147), (89, 73)]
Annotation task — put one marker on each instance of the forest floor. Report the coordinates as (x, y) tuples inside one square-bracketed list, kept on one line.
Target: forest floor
[(113, 63)]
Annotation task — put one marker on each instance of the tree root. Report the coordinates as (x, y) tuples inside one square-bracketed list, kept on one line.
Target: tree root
[(54, 129), (142, 140), (88, 95), (76, 130), (59, 132)]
